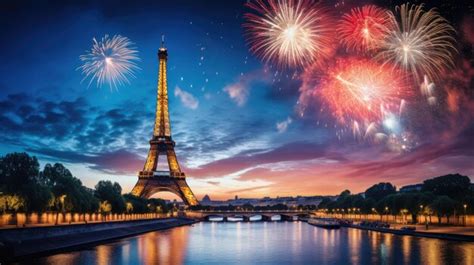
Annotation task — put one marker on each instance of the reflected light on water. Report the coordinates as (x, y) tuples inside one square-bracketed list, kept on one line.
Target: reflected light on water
[(354, 245), (103, 254), (165, 247), (238, 231), (296, 237), (406, 248), (126, 253), (431, 252)]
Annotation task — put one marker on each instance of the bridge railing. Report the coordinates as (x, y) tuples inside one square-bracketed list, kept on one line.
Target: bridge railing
[(45, 219)]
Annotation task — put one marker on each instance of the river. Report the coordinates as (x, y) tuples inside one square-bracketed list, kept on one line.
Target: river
[(268, 243)]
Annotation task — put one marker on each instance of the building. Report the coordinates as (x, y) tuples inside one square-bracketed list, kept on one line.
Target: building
[(411, 188), (266, 201), (206, 200)]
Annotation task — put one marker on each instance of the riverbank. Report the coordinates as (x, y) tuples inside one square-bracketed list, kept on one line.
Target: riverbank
[(31, 241), (457, 233)]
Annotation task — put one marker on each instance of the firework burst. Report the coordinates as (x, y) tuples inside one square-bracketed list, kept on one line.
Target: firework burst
[(291, 33), (364, 28), (360, 90), (421, 42), (111, 61)]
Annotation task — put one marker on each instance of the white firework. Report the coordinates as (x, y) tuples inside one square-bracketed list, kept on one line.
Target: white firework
[(292, 33), (111, 60), (422, 42)]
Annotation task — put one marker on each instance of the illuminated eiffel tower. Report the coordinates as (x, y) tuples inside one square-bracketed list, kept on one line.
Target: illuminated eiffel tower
[(151, 180)]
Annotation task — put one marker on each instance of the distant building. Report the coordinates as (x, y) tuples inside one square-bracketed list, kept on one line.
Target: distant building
[(411, 188), (206, 200)]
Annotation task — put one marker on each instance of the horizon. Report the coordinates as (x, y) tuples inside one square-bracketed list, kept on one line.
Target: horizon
[(236, 120)]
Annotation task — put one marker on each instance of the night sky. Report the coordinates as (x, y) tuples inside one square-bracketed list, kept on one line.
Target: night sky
[(235, 119)]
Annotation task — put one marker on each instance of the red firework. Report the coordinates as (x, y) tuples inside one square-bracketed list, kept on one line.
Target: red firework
[(364, 28), (361, 90)]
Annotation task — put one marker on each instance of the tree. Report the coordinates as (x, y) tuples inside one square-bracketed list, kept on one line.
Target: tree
[(279, 206), (138, 204), (324, 203), (443, 206), (105, 190), (469, 202), (17, 170), (68, 191), (104, 208), (367, 206), (383, 206), (345, 193), (379, 191), (37, 198), (416, 202), (453, 185), (156, 205), (19, 176), (10, 203)]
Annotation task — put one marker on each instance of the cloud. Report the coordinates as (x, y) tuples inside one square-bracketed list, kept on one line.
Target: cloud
[(239, 91), (250, 189), (75, 132), (215, 183), (21, 114), (290, 152), (186, 98), (283, 126), (115, 162)]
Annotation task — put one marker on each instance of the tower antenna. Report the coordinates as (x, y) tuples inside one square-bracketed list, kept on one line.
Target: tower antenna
[(162, 40)]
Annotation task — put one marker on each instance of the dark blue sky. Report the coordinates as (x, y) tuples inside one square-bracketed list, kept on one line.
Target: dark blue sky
[(233, 117)]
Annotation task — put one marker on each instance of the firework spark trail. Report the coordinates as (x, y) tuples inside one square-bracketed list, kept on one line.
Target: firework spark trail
[(111, 61), (291, 33), (364, 28), (427, 89), (421, 43), (360, 90)]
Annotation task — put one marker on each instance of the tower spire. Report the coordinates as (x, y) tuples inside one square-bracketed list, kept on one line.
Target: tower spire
[(162, 119)]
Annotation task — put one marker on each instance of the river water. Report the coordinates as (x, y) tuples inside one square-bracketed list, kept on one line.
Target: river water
[(268, 243)]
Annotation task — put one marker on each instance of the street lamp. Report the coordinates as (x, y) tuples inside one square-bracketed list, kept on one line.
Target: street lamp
[(129, 207), (421, 210), (61, 200), (465, 216)]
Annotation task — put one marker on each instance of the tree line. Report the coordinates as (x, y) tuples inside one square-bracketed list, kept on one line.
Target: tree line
[(26, 188), (442, 196)]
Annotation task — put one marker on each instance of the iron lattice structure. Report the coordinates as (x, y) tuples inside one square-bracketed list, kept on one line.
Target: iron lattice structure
[(151, 180)]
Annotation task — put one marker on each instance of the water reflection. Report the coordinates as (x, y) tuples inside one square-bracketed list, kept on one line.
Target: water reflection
[(269, 243), (406, 248)]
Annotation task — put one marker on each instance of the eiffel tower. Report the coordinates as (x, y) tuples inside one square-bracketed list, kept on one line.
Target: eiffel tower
[(150, 180)]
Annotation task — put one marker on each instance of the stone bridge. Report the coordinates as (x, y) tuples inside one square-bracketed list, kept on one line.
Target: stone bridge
[(271, 215)]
